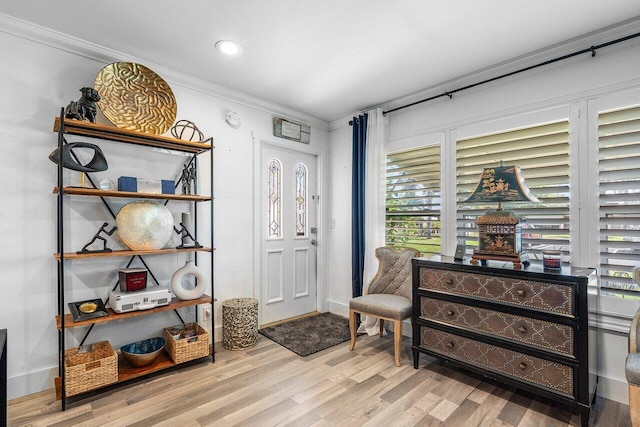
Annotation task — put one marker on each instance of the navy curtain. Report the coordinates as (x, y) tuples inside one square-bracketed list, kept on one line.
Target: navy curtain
[(359, 137)]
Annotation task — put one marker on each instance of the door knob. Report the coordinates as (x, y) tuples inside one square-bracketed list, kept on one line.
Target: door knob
[(314, 242)]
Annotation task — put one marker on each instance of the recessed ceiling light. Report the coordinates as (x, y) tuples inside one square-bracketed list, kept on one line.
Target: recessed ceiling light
[(229, 47)]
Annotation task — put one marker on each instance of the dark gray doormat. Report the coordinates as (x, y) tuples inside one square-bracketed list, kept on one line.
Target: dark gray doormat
[(310, 334)]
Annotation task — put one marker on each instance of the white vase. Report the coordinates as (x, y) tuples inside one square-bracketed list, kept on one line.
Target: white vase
[(179, 291)]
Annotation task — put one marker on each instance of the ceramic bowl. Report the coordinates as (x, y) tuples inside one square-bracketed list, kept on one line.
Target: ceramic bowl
[(143, 353), (88, 307)]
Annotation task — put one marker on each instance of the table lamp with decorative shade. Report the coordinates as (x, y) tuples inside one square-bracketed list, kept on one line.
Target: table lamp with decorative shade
[(499, 230)]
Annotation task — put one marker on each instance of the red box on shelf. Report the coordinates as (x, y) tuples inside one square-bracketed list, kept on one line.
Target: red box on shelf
[(132, 279)]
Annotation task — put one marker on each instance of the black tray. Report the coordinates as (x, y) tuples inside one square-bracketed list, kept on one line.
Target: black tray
[(79, 316)]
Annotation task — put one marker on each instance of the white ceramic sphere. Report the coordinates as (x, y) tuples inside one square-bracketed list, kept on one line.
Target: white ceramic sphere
[(144, 225)]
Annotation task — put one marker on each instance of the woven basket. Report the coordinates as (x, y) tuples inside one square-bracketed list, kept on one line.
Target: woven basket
[(184, 349), (88, 370), (240, 323)]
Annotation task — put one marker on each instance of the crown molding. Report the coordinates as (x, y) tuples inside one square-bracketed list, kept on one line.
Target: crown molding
[(55, 39), (341, 123)]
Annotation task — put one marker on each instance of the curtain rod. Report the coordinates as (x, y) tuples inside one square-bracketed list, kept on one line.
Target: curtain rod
[(450, 93)]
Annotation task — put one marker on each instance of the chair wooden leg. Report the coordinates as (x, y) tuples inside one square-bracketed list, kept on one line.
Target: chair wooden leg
[(381, 329), (352, 328), (634, 405), (397, 339)]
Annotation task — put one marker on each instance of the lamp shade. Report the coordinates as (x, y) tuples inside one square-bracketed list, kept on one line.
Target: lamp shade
[(502, 184)]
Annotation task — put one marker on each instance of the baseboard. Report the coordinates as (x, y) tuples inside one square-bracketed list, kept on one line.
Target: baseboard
[(613, 389), (339, 308), (218, 334), (33, 382)]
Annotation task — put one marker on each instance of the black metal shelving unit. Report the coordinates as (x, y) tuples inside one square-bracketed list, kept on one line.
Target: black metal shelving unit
[(64, 321)]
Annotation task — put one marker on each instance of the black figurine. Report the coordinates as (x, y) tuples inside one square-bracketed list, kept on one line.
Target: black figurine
[(184, 232), (85, 107), (186, 180), (193, 179), (97, 236)]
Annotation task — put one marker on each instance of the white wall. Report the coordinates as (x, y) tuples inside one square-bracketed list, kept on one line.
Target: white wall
[(338, 222), (42, 73), (578, 86)]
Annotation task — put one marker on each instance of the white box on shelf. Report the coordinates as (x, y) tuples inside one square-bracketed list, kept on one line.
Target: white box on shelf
[(124, 302)]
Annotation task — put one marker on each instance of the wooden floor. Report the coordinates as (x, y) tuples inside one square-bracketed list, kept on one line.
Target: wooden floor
[(268, 385)]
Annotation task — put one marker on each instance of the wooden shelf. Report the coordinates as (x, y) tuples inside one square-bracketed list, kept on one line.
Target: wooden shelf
[(81, 191), (128, 372), (175, 303), (128, 253), (112, 133)]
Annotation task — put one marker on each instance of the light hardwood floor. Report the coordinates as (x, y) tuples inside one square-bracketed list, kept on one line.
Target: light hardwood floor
[(269, 385)]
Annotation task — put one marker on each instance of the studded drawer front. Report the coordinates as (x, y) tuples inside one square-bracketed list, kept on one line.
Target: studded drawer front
[(550, 297), (552, 375), (539, 333)]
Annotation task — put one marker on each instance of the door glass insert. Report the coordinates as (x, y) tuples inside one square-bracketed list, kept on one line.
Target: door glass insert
[(301, 200), (274, 188)]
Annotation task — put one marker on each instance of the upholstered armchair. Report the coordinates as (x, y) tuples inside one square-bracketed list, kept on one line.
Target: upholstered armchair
[(389, 294), (632, 370)]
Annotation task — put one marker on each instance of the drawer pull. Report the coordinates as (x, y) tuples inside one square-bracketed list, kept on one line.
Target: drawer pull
[(522, 330), (522, 366), (449, 282), (450, 345), (450, 313), (521, 292)]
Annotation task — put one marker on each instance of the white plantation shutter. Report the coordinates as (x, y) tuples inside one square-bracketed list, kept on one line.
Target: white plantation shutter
[(542, 152), (619, 195), (413, 199)]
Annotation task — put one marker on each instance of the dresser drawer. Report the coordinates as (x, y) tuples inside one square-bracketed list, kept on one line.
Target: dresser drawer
[(551, 375), (554, 298), (534, 332)]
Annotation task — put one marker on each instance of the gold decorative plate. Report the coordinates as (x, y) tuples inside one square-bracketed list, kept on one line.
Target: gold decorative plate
[(133, 97)]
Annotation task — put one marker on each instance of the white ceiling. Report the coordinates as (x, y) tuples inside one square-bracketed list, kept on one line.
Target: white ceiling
[(326, 58)]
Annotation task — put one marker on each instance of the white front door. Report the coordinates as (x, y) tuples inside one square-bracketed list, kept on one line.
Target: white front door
[(289, 204)]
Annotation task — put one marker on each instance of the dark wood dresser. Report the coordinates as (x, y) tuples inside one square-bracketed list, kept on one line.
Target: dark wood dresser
[(527, 328)]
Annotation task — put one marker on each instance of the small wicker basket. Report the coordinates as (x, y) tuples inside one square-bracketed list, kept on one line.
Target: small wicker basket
[(90, 369), (182, 349)]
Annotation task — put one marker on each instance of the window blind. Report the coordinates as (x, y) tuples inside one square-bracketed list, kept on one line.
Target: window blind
[(542, 152), (413, 199), (619, 196)]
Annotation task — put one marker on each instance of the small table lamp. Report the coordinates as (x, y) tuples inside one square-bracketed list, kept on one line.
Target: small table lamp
[(499, 231)]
